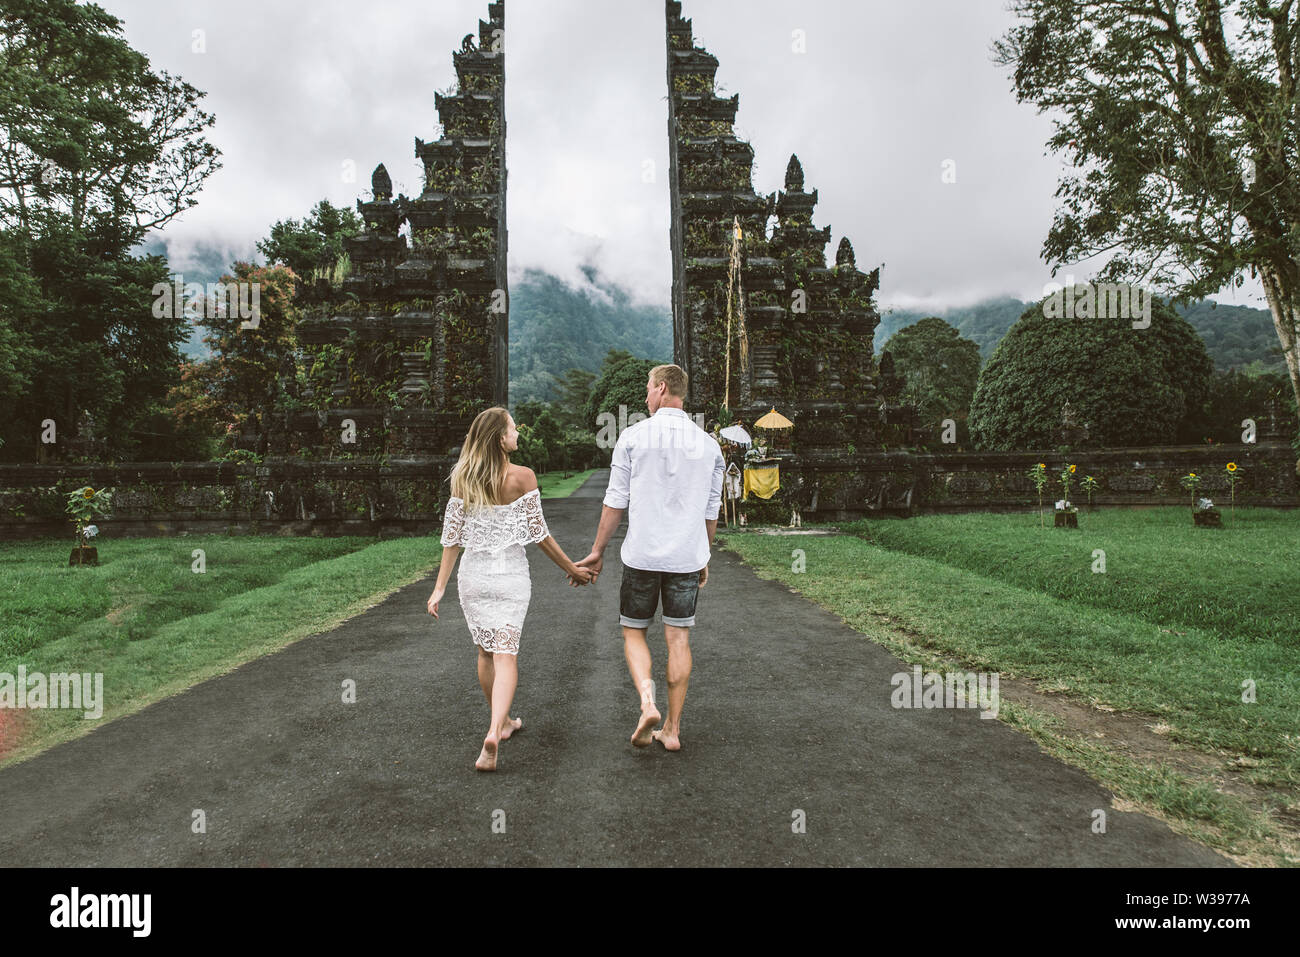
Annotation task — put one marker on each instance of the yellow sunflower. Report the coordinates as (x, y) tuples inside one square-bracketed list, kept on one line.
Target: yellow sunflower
[(1041, 465), (1072, 468), (1232, 466), (88, 493)]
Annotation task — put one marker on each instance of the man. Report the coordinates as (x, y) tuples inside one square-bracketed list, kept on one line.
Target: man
[(666, 473)]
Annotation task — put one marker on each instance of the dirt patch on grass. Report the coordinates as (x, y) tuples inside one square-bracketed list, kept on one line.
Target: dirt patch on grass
[(1141, 738), (117, 614)]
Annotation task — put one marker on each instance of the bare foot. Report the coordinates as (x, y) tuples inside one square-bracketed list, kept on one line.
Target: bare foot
[(487, 759), (510, 727), (670, 741), (642, 737)]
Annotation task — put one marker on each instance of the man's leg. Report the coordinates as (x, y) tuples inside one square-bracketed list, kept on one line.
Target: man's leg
[(638, 597), (679, 677), (680, 592), (637, 653)]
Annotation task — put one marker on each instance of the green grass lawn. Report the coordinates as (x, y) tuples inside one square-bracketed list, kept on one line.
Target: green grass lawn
[(153, 626), (562, 484), (1179, 619)]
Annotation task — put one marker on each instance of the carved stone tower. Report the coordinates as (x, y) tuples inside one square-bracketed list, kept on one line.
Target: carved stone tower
[(808, 330), (413, 344)]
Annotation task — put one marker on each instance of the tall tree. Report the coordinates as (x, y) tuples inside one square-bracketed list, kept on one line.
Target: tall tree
[(941, 369), (1181, 119), (573, 389), (252, 367), (88, 133), (95, 150)]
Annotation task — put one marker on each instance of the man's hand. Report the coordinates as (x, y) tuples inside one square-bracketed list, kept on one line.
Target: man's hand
[(704, 575), (593, 562), (581, 575)]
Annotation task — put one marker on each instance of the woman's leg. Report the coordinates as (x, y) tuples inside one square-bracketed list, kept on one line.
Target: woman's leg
[(485, 674), (506, 668), (505, 678)]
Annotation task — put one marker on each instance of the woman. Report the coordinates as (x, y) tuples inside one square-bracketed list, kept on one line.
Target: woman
[(494, 511)]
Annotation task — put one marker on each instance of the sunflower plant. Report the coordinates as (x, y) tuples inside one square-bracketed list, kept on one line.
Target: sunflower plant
[(1067, 473), (1089, 485), (1234, 476), (1038, 475), (83, 505), (1191, 481)]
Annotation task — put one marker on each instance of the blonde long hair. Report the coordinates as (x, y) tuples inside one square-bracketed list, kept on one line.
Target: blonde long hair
[(481, 469)]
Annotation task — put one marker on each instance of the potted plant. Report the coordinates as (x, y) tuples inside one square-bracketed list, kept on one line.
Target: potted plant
[(1203, 511), (1038, 475), (1067, 516), (1207, 515), (83, 505)]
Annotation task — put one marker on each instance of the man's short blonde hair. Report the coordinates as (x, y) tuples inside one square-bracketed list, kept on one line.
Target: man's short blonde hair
[(674, 377)]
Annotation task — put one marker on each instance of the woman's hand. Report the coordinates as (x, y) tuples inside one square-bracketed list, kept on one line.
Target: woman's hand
[(579, 575), (704, 575), (434, 599)]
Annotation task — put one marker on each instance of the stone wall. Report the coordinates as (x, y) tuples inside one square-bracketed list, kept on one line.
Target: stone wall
[(320, 498), (840, 487), (401, 499)]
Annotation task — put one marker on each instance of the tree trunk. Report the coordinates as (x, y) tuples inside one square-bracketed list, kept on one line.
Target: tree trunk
[(1284, 303)]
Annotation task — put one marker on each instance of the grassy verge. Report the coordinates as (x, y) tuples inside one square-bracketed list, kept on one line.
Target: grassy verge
[(1238, 582), (1100, 642), (153, 626), (562, 484)]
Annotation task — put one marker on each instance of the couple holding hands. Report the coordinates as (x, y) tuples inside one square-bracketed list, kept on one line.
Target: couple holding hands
[(666, 473)]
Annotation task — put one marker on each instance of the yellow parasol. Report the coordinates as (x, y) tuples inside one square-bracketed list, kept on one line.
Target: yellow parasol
[(774, 420)]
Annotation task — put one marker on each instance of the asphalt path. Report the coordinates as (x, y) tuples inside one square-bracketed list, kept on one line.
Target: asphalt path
[(792, 753)]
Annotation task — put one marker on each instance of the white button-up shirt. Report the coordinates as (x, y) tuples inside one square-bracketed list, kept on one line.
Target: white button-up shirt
[(667, 472)]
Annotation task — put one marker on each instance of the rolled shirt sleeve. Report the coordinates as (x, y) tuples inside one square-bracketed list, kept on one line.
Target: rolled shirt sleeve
[(617, 493), (715, 490)]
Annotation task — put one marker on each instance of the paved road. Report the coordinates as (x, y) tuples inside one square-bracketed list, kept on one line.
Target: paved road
[(788, 710)]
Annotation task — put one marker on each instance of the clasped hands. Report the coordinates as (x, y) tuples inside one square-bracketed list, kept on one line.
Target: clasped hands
[(588, 570), (591, 565)]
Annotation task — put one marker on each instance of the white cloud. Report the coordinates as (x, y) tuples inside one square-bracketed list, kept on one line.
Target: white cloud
[(888, 90)]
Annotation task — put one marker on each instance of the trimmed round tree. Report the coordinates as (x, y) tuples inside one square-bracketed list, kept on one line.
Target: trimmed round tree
[(1129, 386)]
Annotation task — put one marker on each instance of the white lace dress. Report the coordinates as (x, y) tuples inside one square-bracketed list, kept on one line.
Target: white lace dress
[(493, 581)]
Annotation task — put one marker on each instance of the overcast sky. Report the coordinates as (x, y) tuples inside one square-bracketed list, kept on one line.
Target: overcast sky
[(887, 91)]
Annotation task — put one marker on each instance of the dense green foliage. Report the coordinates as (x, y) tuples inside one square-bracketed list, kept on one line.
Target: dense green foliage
[(312, 248), (621, 384), (941, 369), (97, 150), (554, 328), (1128, 386), (1235, 336), (1235, 396)]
